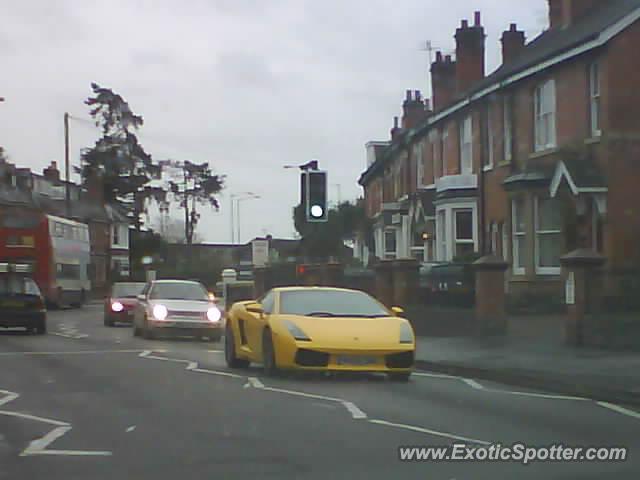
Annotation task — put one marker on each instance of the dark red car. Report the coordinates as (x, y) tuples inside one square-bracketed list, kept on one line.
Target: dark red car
[(120, 305)]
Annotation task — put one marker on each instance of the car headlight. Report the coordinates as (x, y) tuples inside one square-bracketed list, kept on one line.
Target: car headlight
[(296, 332), (117, 307), (406, 333), (214, 314), (160, 312)]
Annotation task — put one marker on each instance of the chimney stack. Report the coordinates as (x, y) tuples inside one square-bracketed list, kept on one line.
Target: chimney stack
[(513, 41), (413, 109), (562, 13), (470, 54), (52, 173), (395, 131), (443, 81), (95, 188)]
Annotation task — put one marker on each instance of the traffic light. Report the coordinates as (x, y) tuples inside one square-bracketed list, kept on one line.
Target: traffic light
[(315, 196)]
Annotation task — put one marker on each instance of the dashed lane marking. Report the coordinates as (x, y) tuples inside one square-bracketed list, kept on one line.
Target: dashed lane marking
[(619, 409), (473, 383), (431, 432)]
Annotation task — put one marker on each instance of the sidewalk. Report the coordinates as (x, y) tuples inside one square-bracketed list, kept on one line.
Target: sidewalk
[(533, 355)]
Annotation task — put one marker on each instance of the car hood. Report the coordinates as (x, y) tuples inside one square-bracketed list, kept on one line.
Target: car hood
[(345, 332), (182, 305)]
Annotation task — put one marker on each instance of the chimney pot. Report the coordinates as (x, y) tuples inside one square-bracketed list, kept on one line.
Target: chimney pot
[(438, 56), (464, 24), (395, 122), (513, 27), (408, 96), (417, 95), (447, 59), (477, 19)]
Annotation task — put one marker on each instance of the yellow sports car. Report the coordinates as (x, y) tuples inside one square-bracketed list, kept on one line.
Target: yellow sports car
[(319, 328)]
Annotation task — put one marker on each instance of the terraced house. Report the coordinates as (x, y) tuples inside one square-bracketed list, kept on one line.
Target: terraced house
[(534, 160)]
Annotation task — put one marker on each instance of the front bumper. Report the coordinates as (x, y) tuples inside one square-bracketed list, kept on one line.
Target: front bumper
[(303, 356), (126, 316), (194, 326)]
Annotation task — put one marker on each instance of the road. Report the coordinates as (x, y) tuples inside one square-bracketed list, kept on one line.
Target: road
[(88, 402)]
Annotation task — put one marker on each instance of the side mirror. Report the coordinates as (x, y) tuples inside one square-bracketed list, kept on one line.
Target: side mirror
[(141, 298), (398, 311), (255, 308)]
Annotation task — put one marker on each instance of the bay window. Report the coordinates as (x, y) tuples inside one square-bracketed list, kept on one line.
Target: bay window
[(519, 235), (463, 229), (548, 226)]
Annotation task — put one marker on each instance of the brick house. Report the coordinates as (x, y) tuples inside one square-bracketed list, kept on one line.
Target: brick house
[(530, 162), (22, 190)]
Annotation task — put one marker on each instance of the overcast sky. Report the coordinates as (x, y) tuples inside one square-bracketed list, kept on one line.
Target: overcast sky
[(248, 85)]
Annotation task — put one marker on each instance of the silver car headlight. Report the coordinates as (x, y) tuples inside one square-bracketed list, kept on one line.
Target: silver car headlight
[(406, 333), (296, 331)]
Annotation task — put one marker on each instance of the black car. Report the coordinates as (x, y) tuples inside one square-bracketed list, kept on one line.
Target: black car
[(21, 302)]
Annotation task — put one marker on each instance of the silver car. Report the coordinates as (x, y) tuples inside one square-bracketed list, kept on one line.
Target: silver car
[(179, 307)]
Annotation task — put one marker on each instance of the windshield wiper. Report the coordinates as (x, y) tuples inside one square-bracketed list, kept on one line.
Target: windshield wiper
[(320, 314), (345, 315)]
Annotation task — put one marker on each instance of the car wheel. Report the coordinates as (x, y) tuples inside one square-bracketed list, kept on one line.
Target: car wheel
[(40, 328), (399, 377), (147, 332), (268, 354), (230, 352)]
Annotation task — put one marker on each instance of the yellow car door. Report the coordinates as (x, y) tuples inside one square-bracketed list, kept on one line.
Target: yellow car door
[(255, 324)]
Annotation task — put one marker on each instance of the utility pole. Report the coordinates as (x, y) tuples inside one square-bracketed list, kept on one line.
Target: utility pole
[(67, 168), (233, 238)]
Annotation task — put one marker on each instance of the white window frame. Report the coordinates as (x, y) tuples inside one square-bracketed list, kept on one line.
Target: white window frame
[(594, 99), (454, 236), (505, 241), (545, 116), (494, 238), (489, 132), (537, 233), (443, 150), (515, 253), (446, 231), (390, 254), (507, 120), (466, 146)]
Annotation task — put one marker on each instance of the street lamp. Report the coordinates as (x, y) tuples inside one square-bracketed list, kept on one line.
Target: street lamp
[(242, 199), (234, 197)]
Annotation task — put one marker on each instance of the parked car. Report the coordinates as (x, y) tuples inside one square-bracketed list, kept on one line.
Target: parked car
[(451, 284), (120, 305), (21, 301), (179, 307)]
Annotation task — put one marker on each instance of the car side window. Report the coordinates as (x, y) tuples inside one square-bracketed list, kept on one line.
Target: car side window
[(268, 302)]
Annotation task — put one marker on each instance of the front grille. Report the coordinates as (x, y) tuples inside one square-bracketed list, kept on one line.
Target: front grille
[(399, 360), (181, 314), (311, 358)]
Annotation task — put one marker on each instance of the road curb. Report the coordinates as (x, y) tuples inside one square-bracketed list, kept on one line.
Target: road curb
[(564, 385)]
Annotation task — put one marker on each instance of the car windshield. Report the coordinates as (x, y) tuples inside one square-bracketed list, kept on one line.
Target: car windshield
[(127, 290), (179, 291), (330, 303), (13, 285)]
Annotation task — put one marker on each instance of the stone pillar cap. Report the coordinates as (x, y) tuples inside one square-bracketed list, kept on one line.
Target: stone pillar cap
[(582, 256), (490, 262)]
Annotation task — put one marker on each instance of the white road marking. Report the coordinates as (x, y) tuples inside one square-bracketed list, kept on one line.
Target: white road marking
[(73, 336), (539, 395), (215, 372), (356, 413), (473, 383), (39, 446), (431, 432), (432, 375), (9, 397), (215, 351), (33, 417), (255, 382), (130, 429), (73, 352), (619, 409), (192, 365)]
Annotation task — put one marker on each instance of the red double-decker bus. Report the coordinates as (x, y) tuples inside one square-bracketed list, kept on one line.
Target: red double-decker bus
[(58, 250)]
